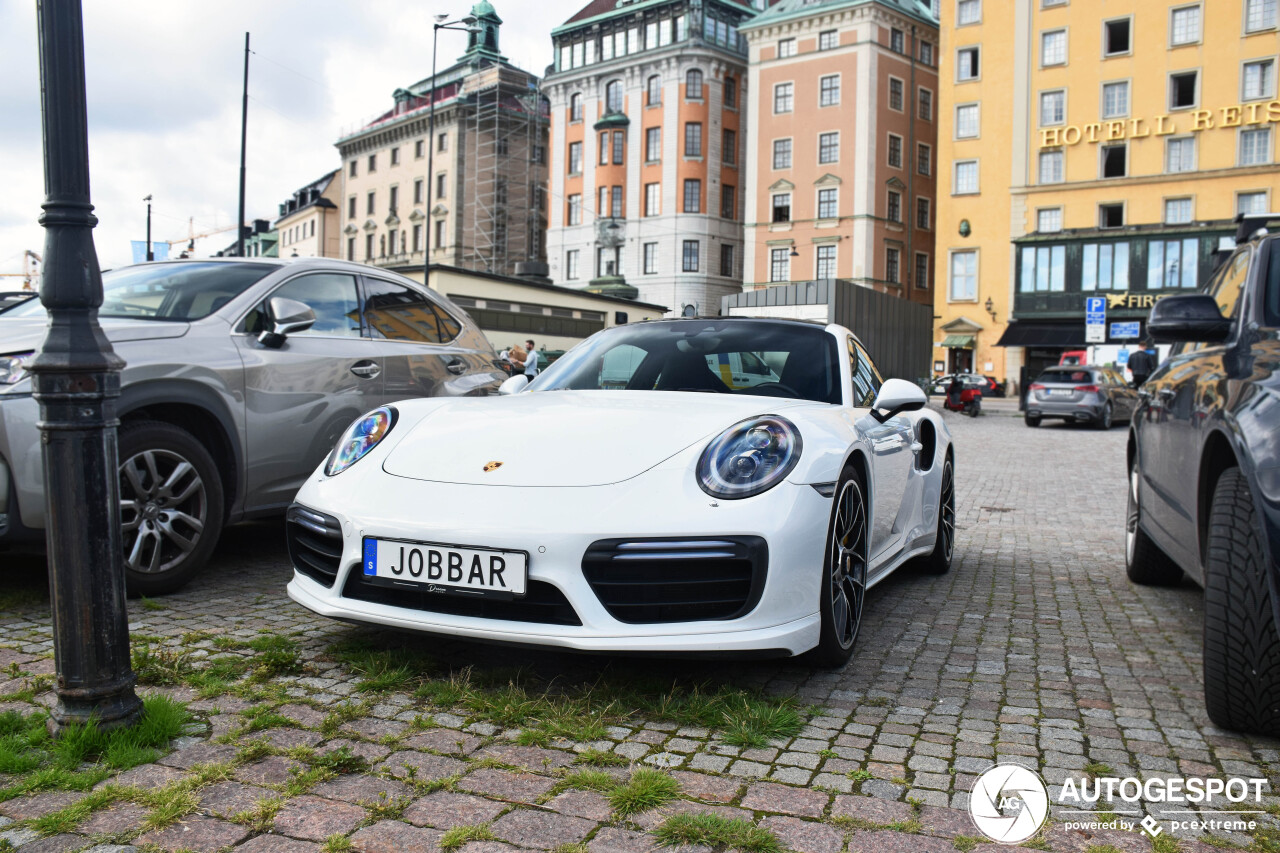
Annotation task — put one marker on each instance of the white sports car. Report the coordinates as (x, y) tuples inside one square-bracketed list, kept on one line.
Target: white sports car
[(694, 485)]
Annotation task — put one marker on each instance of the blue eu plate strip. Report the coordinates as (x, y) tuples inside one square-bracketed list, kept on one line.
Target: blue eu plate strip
[(370, 556)]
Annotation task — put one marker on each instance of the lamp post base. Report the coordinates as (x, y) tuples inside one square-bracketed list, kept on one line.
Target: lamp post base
[(109, 706)]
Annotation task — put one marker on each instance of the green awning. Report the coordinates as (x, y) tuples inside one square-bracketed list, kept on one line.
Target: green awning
[(958, 342)]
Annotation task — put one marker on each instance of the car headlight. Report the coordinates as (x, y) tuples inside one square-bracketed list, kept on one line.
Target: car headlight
[(749, 457), (13, 367), (361, 437)]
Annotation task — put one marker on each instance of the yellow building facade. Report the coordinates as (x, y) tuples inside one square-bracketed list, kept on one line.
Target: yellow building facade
[(1092, 148)]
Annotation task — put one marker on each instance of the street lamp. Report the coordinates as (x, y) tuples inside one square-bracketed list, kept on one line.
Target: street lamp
[(468, 23), (150, 254)]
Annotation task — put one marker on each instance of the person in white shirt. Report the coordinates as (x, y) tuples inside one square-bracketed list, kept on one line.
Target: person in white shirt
[(531, 361)]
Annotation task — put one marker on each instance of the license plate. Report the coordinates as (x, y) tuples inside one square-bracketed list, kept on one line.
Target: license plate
[(1059, 392), (447, 569)]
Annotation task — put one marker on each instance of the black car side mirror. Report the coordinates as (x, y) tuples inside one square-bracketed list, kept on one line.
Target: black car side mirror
[(1188, 318), (285, 317)]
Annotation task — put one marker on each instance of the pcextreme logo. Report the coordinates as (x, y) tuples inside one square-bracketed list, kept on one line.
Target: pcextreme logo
[(1009, 803)]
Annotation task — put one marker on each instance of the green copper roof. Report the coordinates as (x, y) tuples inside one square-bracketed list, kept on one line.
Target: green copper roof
[(787, 10)]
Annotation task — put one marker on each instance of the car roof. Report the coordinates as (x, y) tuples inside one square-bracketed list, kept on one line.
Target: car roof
[(1072, 368)]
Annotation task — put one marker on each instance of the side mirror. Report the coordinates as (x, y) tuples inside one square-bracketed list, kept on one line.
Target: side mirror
[(1188, 318), (897, 395), (514, 384), (285, 317)]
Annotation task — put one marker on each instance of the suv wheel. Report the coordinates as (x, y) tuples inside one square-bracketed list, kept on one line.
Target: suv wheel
[(1144, 562), (170, 506), (1241, 648), (1104, 419)]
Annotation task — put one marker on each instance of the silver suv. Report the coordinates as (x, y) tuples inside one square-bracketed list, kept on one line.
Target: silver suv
[(240, 376)]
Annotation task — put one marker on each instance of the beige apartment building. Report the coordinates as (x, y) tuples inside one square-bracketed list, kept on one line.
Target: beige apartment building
[(483, 205), (310, 222), (842, 144)]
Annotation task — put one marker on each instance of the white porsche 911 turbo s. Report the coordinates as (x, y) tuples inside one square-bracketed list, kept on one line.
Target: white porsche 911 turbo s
[(696, 485)]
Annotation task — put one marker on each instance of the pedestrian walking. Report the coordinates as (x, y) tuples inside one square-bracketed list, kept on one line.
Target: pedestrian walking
[(531, 361), (1142, 363)]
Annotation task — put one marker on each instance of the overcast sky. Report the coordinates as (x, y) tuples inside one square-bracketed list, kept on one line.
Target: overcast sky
[(164, 82)]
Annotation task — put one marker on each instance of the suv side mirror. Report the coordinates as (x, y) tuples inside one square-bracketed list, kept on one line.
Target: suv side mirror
[(1188, 318), (897, 395), (285, 317)]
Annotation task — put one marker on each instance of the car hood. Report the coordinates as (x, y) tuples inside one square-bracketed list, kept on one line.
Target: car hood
[(565, 438), (25, 334)]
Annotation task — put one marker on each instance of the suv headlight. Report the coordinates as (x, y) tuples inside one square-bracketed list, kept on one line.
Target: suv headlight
[(13, 367), (361, 437), (749, 457)]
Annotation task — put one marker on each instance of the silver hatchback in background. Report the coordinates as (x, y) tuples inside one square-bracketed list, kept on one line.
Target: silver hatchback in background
[(1080, 394), (240, 375)]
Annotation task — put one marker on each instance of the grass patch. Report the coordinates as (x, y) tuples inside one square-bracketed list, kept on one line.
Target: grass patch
[(176, 805), (1097, 768), (717, 831), (156, 664), (599, 758), (276, 655), (588, 780), (262, 816), (965, 843), (336, 843), (460, 835), (151, 604), (645, 790), (65, 820), (339, 761)]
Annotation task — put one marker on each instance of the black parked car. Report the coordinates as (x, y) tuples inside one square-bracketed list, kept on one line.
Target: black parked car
[(1204, 473)]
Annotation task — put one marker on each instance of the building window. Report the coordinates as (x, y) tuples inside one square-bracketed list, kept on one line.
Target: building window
[(782, 153), (373, 164), (615, 203), (693, 139), (654, 90), (826, 266), (968, 12), (1115, 160), (613, 97), (395, 156), (1049, 220), (1184, 25), (781, 207), (893, 211), (966, 177), (440, 225), (602, 202), (786, 47), (575, 107), (1259, 15), (1180, 155), (652, 199), (1115, 99), (573, 207), (730, 92), (442, 184), (1044, 269), (1051, 170), (690, 256), (922, 270), (420, 149), (650, 258), (368, 247), (692, 195), (369, 200), (892, 258), (728, 202), (693, 85), (1053, 48), (603, 148), (966, 121), (924, 159), (571, 264), (608, 260), (619, 147), (652, 144), (1170, 264), (1251, 202), (779, 265), (828, 40), (351, 208), (829, 147), (925, 99), (829, 90), (923, 219), (1053, 108), (726, 259), (351, 248), (968, 63), (393, 199), (827, 206), (1258, 80), (895, 94), (895, 151), (783, 97), (1177, 211), (897, 41), (1184, 90), (1111, 215), (352, 170), (1255, 146), (729, 150), (1115, 37), (926, 53), (575, 158), (417, 191), (963, 286)]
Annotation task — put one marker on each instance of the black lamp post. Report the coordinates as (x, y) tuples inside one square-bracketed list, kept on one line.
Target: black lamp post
[(468, 23), (77, 378), (151, 256)]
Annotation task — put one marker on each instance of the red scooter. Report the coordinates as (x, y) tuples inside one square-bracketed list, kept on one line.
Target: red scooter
[(965, 400)]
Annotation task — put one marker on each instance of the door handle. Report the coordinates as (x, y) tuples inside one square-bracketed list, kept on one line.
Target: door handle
[(366, 369), (916, 447), (456, 366)]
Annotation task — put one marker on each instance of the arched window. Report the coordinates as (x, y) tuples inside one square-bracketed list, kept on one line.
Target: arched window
[(575, 107), (655, 90), (613, 97), (693, 84)]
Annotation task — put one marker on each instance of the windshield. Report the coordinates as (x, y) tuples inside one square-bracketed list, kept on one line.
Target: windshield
[(710, 356), (182, 292), (1066, 376)]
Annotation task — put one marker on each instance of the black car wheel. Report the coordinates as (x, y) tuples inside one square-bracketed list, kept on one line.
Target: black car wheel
[(1144, 562), (170, 506), (1241, 647), (939, 561), (844, 576), (1104, 419), (1031, 421)]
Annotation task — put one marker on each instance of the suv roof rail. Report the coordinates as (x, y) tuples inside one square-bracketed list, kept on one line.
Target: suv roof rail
[(1249, 224)]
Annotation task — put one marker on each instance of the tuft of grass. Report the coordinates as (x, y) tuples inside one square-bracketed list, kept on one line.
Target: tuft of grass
[(1165, 844), (1097, 768), (339, 761), (276, 655), (714, 830), (876, 701), (343, 713), (599, 758), (646, 789), (588, 780), (580, 847), (156, 664), (151, 604), (386, 808), (262, 816), (65, 820), (460, 835), (385, 678), (753, 722), (175, 805), (336, 843), (965, 843)]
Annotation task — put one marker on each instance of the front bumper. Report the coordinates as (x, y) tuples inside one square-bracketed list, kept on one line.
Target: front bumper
[(555, 526)]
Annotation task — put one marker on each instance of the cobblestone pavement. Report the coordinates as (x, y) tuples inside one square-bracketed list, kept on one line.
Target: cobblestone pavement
[(1034, 649)]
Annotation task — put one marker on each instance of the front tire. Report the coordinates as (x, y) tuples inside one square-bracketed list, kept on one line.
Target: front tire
[(1104, 420), (844, 574), (939, 561), (1241, 648), (170, 506), (1144, 562)]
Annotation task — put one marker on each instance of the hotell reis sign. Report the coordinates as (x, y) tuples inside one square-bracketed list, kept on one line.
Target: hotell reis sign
[(1193, 121)]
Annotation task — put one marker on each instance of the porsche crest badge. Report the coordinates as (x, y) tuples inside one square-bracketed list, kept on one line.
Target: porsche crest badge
[(490, 466)]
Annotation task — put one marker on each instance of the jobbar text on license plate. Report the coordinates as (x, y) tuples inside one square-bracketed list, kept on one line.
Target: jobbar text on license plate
[(447, 568)]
